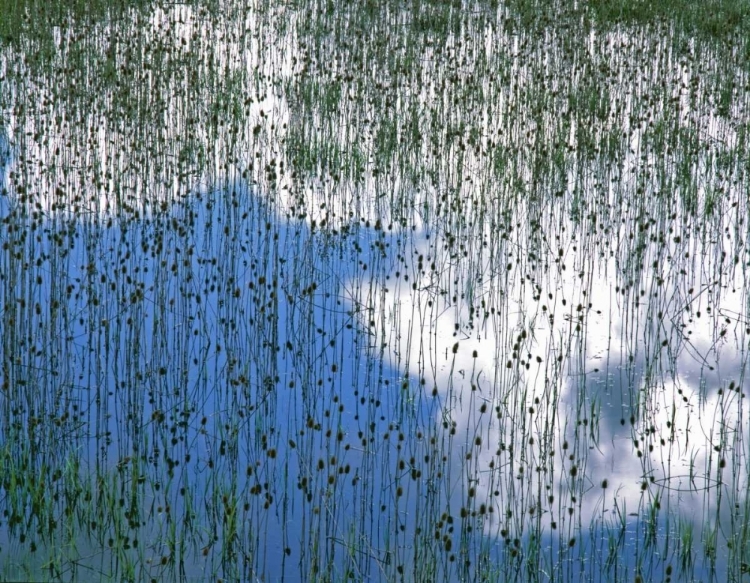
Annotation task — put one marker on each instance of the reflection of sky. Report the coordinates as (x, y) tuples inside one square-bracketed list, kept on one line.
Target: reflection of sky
[(193, 344), (374, 326), (360, 327)]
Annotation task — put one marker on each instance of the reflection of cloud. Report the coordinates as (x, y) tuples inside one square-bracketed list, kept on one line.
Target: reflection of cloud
[(546, 435), (170, 103)]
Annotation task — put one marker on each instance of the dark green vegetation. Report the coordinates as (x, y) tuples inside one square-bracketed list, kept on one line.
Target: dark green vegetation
[(713, 21), (400, 291)]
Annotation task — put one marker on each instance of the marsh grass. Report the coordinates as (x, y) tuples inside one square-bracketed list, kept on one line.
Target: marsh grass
[(712, 21), (399, 292)]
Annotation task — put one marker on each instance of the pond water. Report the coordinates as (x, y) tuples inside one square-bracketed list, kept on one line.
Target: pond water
[(400, 292)]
